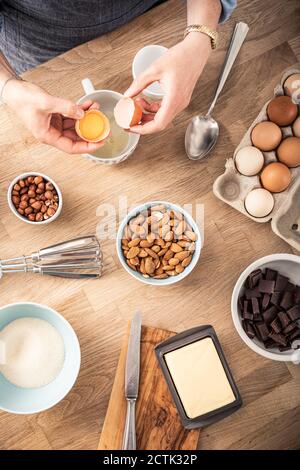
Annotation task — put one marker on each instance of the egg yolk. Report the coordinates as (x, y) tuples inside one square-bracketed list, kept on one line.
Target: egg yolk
[(91, 126)]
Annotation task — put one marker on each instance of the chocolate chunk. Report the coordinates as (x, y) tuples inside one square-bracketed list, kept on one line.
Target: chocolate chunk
[(263, 330), (252, 293), (276, 298), (284, 319), (265, 301), (270, 314), (241, 304), (255, 306), (270, 344), (266, 287), (281, 283), (284, 348), (246, 308), (295, 334), (297, 295), (249, 330), (287, 300), (253, 278), (294, 312), (276, 325), (289, 329), (278, 338), (258, 318), (248, 316), (290, 287), (271, 274)]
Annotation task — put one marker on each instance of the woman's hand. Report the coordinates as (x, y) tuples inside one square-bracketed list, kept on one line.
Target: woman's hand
[(50, 119), (177, 71)]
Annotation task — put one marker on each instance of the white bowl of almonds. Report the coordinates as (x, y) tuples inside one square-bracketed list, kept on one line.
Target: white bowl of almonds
[(34, 198), (158, 243)]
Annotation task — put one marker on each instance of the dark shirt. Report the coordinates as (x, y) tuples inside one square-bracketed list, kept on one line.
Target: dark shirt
[(34, 31)]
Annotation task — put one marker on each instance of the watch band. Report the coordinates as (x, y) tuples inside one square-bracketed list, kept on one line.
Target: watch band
[(201, 28)]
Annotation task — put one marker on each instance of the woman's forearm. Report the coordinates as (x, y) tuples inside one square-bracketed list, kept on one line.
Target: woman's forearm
[(204, 12)]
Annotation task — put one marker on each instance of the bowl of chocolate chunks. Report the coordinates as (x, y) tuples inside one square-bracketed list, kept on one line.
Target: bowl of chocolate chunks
[(265, 307)]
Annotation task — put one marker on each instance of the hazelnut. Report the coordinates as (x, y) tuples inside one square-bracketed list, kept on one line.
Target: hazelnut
[(36, 205), (44, 208), (49, 194), (31, 193), (17, 187), (49, 186), (15, 193), (39, 216), (24, 197), (28, 210), (23, 204), (38, 179), (20, 211), (31, 200), (41, 186), (31, 217), (24, 190), (30, 179), (51, 211), (16, 200), (21, 183), (39, 191)]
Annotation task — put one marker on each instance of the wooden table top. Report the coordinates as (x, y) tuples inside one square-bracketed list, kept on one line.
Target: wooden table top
[(159, 169)]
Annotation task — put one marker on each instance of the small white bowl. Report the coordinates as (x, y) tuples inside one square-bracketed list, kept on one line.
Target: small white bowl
[(20, 400), (14, 210), (172, 279), (142, 60), (289, 266)]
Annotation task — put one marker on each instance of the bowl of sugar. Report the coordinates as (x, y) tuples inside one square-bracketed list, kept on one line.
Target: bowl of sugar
[(39, 358)]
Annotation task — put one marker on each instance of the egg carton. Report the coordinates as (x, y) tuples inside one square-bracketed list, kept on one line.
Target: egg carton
[(232, 187)]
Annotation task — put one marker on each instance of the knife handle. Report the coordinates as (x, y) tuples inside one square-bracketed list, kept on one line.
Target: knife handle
[(129, 438)]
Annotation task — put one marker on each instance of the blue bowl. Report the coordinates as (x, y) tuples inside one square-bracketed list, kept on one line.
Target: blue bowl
[(33, 400), (172, 279)]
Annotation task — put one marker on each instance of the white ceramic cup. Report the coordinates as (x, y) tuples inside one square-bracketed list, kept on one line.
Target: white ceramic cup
[(289, 266), (107, 99), (142, 60)]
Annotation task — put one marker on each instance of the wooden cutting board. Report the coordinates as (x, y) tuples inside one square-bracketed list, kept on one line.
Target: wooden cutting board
[(158, 425)]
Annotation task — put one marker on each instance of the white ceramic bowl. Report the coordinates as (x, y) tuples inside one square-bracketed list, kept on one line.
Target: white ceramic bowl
[(289, 266), (172, 279), (107, 100), (14, 210), (142, 60), (20, 400)]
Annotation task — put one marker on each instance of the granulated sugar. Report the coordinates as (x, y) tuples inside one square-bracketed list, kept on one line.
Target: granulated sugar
[(32, 352)]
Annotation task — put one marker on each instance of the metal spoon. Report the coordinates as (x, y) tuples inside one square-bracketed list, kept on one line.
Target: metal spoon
[(203, 131)]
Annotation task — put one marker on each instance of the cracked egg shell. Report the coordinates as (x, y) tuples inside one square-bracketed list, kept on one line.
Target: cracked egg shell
[(127, 113)]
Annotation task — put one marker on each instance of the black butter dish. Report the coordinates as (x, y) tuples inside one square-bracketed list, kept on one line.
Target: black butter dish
[(198, 377)]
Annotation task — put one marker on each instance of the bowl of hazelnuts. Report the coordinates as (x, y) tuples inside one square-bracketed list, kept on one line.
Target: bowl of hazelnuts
[(34, 198)]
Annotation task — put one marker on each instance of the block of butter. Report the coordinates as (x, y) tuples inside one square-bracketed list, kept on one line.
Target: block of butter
[(198, 377)]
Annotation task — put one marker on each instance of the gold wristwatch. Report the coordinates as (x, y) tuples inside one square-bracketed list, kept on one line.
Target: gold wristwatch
[(201, 28)]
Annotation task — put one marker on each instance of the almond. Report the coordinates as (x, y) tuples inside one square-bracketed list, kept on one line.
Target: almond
[(151, 237), (156, 248), (171, 273), (124, 242), (143, 253), (145, 244), (169, 254), (151, 253), (142, 266), (168, 268), (191, 235), (179, 269), (133, 252), (174, 261), (134, 242), (134, 261), (180, 228), (160, 276), (182, 255), (186, 261), (162, 252), (130, 265), (169, 236), (149, 265), (176, 248)]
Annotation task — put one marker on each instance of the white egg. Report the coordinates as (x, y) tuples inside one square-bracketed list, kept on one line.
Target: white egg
[(259, 202), (249, 160), (296, 127)]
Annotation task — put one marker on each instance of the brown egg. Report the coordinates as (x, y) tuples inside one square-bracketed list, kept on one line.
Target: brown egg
[(288, 151), (282, 110), (266, 136), (275, 177), (292, 84)]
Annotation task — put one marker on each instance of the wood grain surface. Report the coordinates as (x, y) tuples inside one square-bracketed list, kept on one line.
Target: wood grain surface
[(157, 422), (100, 310)]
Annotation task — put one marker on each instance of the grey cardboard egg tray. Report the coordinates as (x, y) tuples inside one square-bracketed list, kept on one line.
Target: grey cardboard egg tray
[(232, 187)]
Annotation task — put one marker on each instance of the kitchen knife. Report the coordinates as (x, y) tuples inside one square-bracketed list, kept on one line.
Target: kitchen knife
[(132, 377)]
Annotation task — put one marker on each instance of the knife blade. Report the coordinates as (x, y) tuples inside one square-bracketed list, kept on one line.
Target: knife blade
[(132, 378), (132, 371)]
